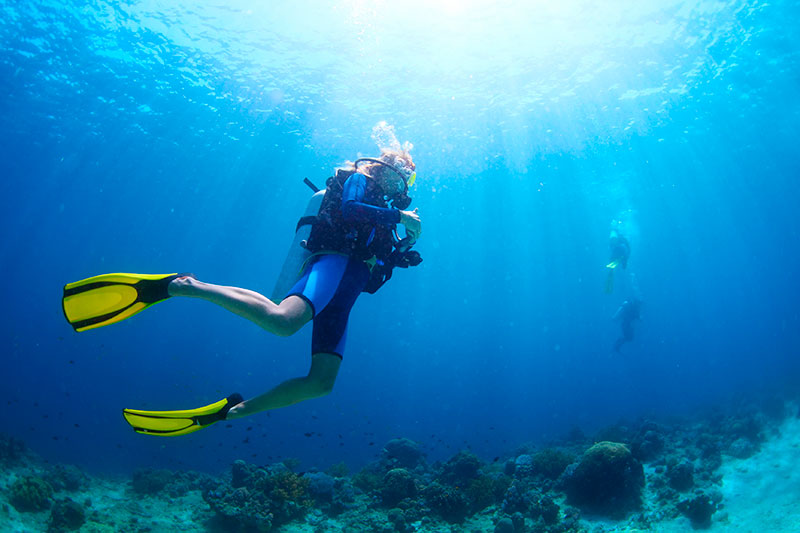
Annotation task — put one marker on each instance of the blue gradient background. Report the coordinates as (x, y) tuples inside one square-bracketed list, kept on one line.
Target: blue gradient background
[(161, 137)]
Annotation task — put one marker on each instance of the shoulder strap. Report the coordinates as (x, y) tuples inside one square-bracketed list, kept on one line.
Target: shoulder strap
[(305, 221)]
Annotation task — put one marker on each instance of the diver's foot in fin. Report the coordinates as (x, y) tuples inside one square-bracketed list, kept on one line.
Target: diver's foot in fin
[(110, 298), (174, 423)]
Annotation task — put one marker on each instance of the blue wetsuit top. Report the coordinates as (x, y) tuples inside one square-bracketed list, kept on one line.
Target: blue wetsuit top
[(331, 283)]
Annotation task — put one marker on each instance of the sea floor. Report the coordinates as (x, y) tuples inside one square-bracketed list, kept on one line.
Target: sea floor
[(759, 494)]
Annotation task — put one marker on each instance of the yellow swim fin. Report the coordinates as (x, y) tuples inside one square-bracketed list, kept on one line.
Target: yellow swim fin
[(110, 298), (174, 423)]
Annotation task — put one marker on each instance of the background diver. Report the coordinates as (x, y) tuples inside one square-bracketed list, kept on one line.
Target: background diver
[(620, 251), (629, 311), (351, 247)]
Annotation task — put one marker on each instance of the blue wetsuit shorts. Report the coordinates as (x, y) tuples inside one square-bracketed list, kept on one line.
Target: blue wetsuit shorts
[(331, 284)]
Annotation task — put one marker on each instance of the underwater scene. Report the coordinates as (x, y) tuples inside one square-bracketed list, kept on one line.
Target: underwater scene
[(431, 266)]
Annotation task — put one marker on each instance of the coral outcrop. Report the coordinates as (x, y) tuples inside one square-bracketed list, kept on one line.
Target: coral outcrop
[(403, 453), (259, 498), (608, 480), (66, 515), (398, 484), (31, 493)]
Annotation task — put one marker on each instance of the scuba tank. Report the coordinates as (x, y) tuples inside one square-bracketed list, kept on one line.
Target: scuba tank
[(298, 254)]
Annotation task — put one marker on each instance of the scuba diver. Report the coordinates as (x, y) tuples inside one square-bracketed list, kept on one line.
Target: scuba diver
[(629, 311), (620, 249), (351, 247)]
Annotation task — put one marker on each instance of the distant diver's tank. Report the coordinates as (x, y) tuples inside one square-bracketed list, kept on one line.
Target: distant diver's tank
[(298, 254)]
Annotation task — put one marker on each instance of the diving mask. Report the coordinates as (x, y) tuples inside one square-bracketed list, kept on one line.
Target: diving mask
[(400, 199), (408, 174)]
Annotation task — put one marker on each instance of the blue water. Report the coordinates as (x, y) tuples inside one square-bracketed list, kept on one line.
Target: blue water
[(162, 137)]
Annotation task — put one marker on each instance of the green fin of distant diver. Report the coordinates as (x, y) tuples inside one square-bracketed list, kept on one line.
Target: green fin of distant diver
[(109, 298), (610, 281), (174, 423), (613, 264)]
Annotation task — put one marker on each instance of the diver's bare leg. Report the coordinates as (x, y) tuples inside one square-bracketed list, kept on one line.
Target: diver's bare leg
[(281, 319), (318, 382)]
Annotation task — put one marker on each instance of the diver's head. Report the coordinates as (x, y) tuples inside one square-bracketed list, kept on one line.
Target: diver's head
[(393, 171), (398, 174)]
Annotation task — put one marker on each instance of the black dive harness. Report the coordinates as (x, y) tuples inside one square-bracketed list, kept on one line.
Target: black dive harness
[(387, 249)]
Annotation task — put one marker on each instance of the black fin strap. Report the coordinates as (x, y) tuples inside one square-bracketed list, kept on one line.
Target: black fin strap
[(222, 414)]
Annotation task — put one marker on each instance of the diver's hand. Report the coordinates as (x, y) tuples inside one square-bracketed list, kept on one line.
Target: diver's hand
[(412, 222)]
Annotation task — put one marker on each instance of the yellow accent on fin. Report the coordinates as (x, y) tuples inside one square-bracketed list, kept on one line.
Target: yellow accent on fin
[(172, 423), (109, 298)]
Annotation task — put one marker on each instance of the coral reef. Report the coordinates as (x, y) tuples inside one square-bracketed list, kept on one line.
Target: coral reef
[(369, 478), (11, 450), (240, 509), (537, 490), (504, 525), (31, 493), (66, 477), (403, 453), (517, 498), (447, 502), (66, 515), (699, 507), (332, 494), (461, 468), (482, 491), (397, 485), (681, 475), (338, 470), (648, 442), (550, 463), (259, 498), (608, 480), (150, 481)]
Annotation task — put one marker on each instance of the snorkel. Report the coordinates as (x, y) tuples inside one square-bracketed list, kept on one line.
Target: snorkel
[(401, 200)]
